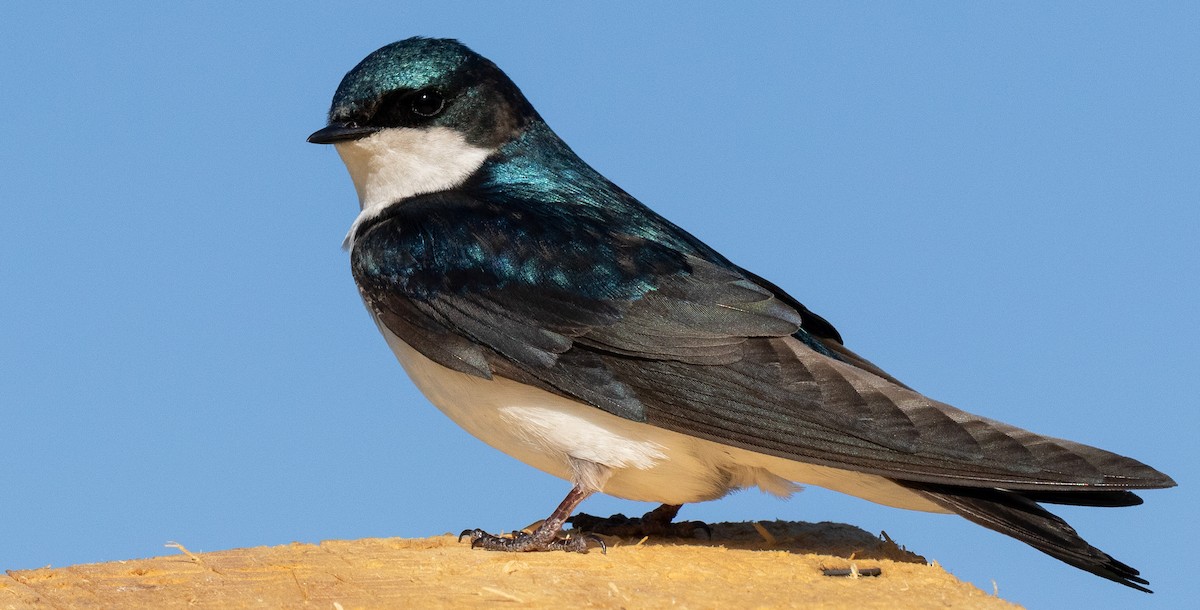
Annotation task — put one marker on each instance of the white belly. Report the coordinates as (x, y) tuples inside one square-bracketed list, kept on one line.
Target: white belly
[(647, 463)]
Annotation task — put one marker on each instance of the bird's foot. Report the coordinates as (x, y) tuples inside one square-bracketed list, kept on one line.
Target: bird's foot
[(658, 523), (539, 540), (544, 537)]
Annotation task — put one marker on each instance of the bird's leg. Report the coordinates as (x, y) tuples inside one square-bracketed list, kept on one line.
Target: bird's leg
[(545, 537), (658, 522), (663, 515)]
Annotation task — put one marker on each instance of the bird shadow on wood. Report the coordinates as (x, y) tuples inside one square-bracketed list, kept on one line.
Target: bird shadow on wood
[(825, 538)]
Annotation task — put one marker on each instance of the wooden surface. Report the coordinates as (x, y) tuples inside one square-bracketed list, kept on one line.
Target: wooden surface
[(768, 565)]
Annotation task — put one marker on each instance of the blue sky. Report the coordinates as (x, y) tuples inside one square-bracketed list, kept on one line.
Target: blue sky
[(996, 203)]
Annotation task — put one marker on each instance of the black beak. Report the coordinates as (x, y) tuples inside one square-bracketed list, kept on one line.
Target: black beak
[(337, 132)]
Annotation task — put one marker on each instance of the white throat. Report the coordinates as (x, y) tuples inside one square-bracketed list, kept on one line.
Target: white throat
[(400, 162)]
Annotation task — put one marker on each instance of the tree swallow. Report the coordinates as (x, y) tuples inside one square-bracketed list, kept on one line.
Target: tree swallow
[(561, 321)]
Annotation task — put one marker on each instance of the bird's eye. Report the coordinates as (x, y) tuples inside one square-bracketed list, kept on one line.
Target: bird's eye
[(427, 103)]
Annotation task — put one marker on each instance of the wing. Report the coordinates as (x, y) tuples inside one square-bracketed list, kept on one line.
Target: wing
[(591, 308)]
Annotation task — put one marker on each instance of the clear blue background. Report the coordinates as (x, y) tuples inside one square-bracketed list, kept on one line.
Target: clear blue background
[(997, 203)]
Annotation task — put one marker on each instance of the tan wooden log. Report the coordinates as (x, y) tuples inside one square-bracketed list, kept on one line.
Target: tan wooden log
[(767, 565)]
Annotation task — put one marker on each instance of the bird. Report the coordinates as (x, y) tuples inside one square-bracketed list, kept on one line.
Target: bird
[(558, 319)]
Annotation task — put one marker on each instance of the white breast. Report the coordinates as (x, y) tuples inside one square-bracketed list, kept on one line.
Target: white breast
[(647, 463)]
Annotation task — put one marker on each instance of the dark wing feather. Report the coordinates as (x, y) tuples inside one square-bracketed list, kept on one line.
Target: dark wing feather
[(784, 400), (594, 310), (1017, 514)]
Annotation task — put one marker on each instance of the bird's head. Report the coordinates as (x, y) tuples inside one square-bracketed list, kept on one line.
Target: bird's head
[(419, 116)]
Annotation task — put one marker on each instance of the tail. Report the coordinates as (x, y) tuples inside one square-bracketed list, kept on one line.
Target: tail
[(1018, 514)]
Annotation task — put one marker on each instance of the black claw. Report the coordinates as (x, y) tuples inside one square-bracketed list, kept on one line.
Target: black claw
[(599, 541)]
